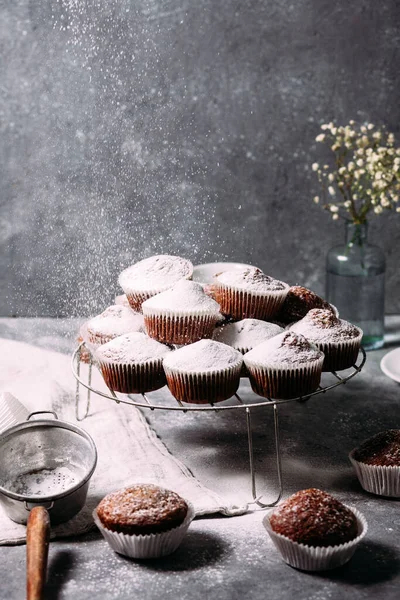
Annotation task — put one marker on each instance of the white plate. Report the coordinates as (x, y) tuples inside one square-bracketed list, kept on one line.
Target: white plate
[(205, 273), (390, 364)]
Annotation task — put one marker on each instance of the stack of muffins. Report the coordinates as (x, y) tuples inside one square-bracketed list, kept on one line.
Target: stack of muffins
[(199, 340)]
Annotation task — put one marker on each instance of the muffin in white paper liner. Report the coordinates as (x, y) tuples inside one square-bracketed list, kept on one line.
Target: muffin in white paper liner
[(184, 314), (203, 372), (316, 558), (153, 545), (379, 480)]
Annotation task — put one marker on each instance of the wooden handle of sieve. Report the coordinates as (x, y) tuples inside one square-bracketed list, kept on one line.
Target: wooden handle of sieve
[(37, 548)]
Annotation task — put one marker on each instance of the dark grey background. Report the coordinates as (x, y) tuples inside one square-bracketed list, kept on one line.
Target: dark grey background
[(137, 127)]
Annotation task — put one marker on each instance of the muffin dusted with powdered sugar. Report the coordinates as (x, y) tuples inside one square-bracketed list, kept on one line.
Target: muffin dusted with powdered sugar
[(248, 293), (298, 302), (314, 531), (203, 372), (285, 366), (152, 276), (132, 363), (143, 520), (339, 340), (181, 315), (112, 322)]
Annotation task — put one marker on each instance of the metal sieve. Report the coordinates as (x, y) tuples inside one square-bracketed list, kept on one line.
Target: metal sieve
[(45, 469)]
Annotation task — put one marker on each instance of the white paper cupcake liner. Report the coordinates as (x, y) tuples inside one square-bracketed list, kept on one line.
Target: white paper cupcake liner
[(135, 378), (283, 382), (339, 355), (379, 480), (245, 304), (204, 387), (312, 558), (153, 545), (179, 328)]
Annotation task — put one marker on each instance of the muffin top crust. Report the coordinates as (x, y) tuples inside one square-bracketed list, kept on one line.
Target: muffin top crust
[(116, 320), (246, 333), (205, 355), (185, 296), (130, 348), (288, 348), (142, 509), (252, 279), (322, 325), (314, 518), (298, 302), (155, 273), (383, 449)]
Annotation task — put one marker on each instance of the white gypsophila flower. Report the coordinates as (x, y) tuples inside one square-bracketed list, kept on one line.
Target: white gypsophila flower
[(333, 208), (315, 166), (331, 190), (363, 129), (335, 147), (370, 126), (390, 138), (378, 175), (398, 209), (342, 170), (395, 198), (331, 177), (347, 204), (335, 216), (316, 199), (351, 166), (320, 137), (324, 127), (385, 202), (378, 209), (360, 162), (377, 135)]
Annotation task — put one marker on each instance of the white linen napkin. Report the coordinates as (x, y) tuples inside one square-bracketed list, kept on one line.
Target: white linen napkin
[(129, 450)]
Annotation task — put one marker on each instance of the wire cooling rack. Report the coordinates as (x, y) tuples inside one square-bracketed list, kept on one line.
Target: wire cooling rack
[(330, 380)]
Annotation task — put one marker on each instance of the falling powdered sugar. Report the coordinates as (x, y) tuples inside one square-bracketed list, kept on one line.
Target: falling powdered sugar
[(134, 347), (205, 355), (186, 296)]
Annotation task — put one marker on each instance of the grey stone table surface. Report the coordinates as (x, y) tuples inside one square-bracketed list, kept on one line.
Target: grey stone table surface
[(233, 558)]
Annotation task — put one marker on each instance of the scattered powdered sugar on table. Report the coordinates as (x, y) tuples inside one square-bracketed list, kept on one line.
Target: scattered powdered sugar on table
[(134, 347), (252, 279), (116, 320), (156, 272), (186, 296), (323, 325), (287, 347), (205, 355), (247, 333)]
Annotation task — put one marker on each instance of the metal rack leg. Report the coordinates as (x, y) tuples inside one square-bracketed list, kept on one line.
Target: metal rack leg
[(77, 390), (251, 458)]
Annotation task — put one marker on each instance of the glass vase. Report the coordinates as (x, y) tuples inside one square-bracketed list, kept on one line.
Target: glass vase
[(355, 283)]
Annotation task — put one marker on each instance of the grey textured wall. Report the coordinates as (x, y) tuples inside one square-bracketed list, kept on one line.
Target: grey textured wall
[(135, 127)]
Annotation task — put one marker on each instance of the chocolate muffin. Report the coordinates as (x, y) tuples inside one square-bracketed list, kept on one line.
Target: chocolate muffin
[(132, 363), (112, 322), (203, 372), (285, 366), (142, 509), (152, 276), (314, 518), (249, 294), (298, 302), (377, 463), (143, 520), (183, 314), (313, 531), (339, 340)]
